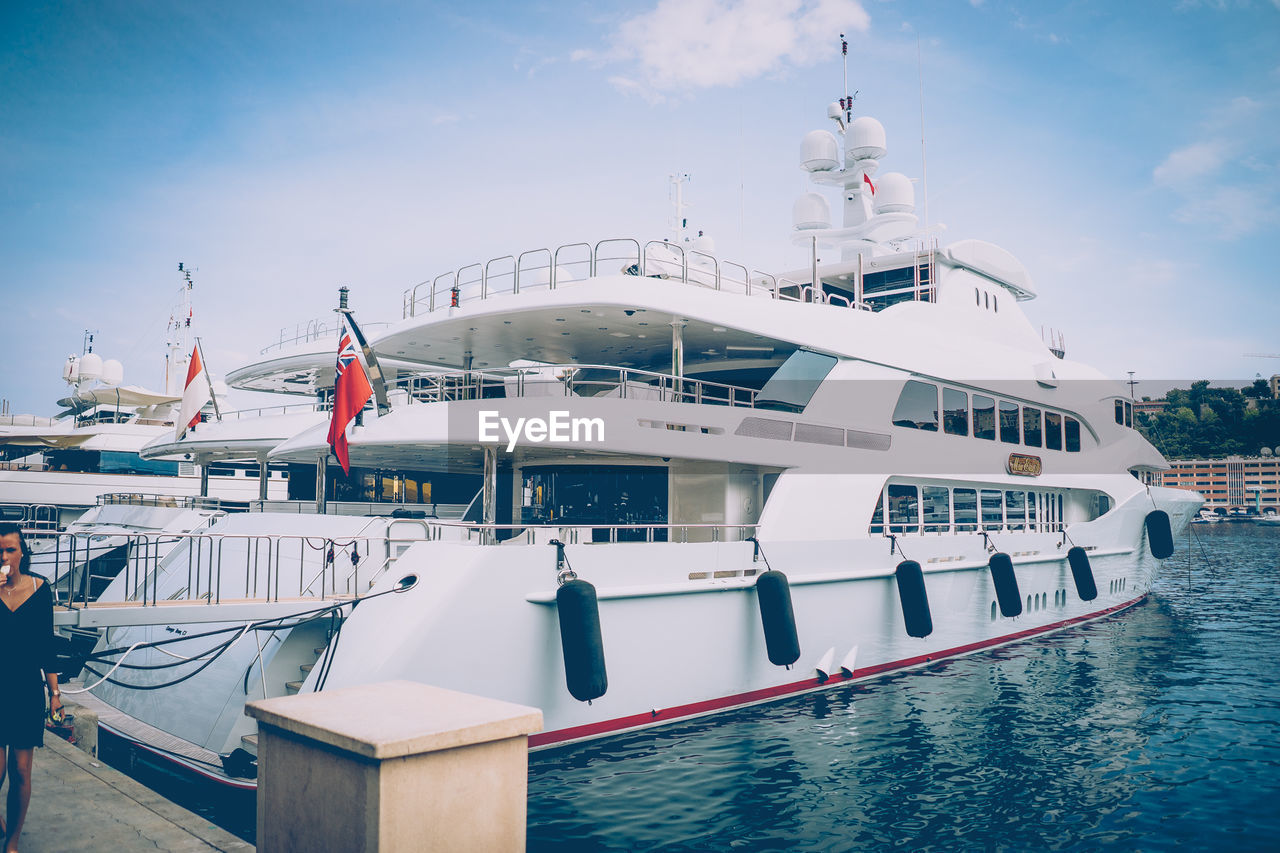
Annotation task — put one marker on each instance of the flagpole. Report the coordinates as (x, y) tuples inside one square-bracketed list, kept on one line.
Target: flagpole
[(208, 377), (370, 357)]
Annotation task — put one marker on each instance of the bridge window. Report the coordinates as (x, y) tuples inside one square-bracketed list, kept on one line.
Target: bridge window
[(917, 406), (1009, 432), (1053, 431), (1072, 435), (1031, 430), (955, 412), (984, 417)]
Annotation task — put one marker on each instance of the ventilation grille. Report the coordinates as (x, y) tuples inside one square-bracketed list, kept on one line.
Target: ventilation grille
[(868, 440), (764, 428), (814, 434)]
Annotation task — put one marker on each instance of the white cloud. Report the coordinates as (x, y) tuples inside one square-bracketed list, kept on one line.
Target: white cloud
[(1228, 212), (684, 44), (1193, 161)]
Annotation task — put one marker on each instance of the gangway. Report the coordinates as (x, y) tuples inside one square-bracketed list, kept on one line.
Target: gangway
[(116, 614)]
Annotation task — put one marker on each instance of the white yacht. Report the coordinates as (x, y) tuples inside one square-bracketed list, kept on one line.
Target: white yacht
[(53, 469), (697, 485)]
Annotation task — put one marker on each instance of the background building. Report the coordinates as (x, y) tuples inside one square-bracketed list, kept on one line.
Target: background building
[(1251, 484)]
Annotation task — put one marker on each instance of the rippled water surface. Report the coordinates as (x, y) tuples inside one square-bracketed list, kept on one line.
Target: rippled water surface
[(1152, 730)]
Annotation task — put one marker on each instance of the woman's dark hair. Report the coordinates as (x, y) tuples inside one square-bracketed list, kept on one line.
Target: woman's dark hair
[(8, 528)]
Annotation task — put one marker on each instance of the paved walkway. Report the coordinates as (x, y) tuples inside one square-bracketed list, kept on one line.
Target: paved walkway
[(78, 803)]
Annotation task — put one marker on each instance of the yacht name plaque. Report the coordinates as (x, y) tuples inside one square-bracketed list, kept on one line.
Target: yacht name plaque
[(1024, 465)]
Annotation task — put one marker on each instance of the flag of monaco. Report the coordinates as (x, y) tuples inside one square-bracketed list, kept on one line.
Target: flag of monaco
[(351, 390), (194, 394)]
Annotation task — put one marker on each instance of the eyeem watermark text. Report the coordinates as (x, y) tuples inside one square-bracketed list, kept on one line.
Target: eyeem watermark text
[(556, 428)]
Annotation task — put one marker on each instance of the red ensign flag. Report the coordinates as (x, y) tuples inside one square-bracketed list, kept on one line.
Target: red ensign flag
[(351, 390), (194, 394)]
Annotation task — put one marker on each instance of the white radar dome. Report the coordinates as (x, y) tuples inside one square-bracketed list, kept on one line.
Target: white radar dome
[(811, 211), (703, 243), (819, 151), (112, 372), (864, 139), (70, 369), (90, 367), (894, 194)]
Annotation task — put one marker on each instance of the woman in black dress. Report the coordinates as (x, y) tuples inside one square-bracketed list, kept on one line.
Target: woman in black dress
[(26, 649)]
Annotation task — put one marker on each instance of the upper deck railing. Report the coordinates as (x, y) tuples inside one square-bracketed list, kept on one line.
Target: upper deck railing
[(322, 328), (570, 380), (547, 268)]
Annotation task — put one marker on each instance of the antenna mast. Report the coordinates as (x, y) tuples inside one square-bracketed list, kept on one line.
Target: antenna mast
[(924, 162), (847, 100), (679, 221)]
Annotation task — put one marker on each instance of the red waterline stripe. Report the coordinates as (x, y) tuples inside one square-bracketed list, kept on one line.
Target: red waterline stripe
[(754, 696)]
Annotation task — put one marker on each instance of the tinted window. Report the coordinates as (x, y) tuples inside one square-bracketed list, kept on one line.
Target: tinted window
[(793, 383), (955, 412), (904, 509), (1009, 432), (936, 505), (1073, 435), (992, 509), (1119, 411), (966, 509), (984, 417), (1031, 427), (1053, 431), (1015, 510), (917, 406), (1128, 414), (877, 517)]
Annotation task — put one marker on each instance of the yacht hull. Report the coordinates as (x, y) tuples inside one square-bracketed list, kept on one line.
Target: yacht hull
[(680, 622)]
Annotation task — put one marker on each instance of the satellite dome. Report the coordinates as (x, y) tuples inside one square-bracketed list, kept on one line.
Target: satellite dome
[(819, 151), (70, 369), (811, 211), (90, 367), (703, 243), (894, 194), (112, 372), (864, 139)]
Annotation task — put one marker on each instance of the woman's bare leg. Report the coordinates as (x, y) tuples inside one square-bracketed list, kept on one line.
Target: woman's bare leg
[(4, 768), (19, 794)]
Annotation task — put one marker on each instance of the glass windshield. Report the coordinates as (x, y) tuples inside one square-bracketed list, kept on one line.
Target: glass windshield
[(794, 383)]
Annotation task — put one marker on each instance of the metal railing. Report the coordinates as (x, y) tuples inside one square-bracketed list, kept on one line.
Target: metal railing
[(210, 568), (322, 328), (548, 268), (574, 380), (171, 501)]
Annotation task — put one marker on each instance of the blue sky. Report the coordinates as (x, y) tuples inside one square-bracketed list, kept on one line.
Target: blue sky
[(1128, 153)]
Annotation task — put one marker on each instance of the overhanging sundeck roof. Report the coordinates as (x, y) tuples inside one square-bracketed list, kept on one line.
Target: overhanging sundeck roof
[(621, 320)]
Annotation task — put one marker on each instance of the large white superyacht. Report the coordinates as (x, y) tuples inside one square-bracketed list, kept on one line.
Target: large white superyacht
[(697, 486)]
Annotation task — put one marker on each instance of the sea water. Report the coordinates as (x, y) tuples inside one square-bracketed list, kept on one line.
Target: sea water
[(1154, 729)]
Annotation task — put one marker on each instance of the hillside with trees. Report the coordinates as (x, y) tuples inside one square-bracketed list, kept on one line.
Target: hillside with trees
[(1201, 422)]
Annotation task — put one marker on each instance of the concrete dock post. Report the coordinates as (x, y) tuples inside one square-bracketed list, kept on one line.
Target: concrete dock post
[(396, 766)]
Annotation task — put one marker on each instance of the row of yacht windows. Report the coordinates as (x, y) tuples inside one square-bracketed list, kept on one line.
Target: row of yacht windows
[(938, 509), (989, 417)]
